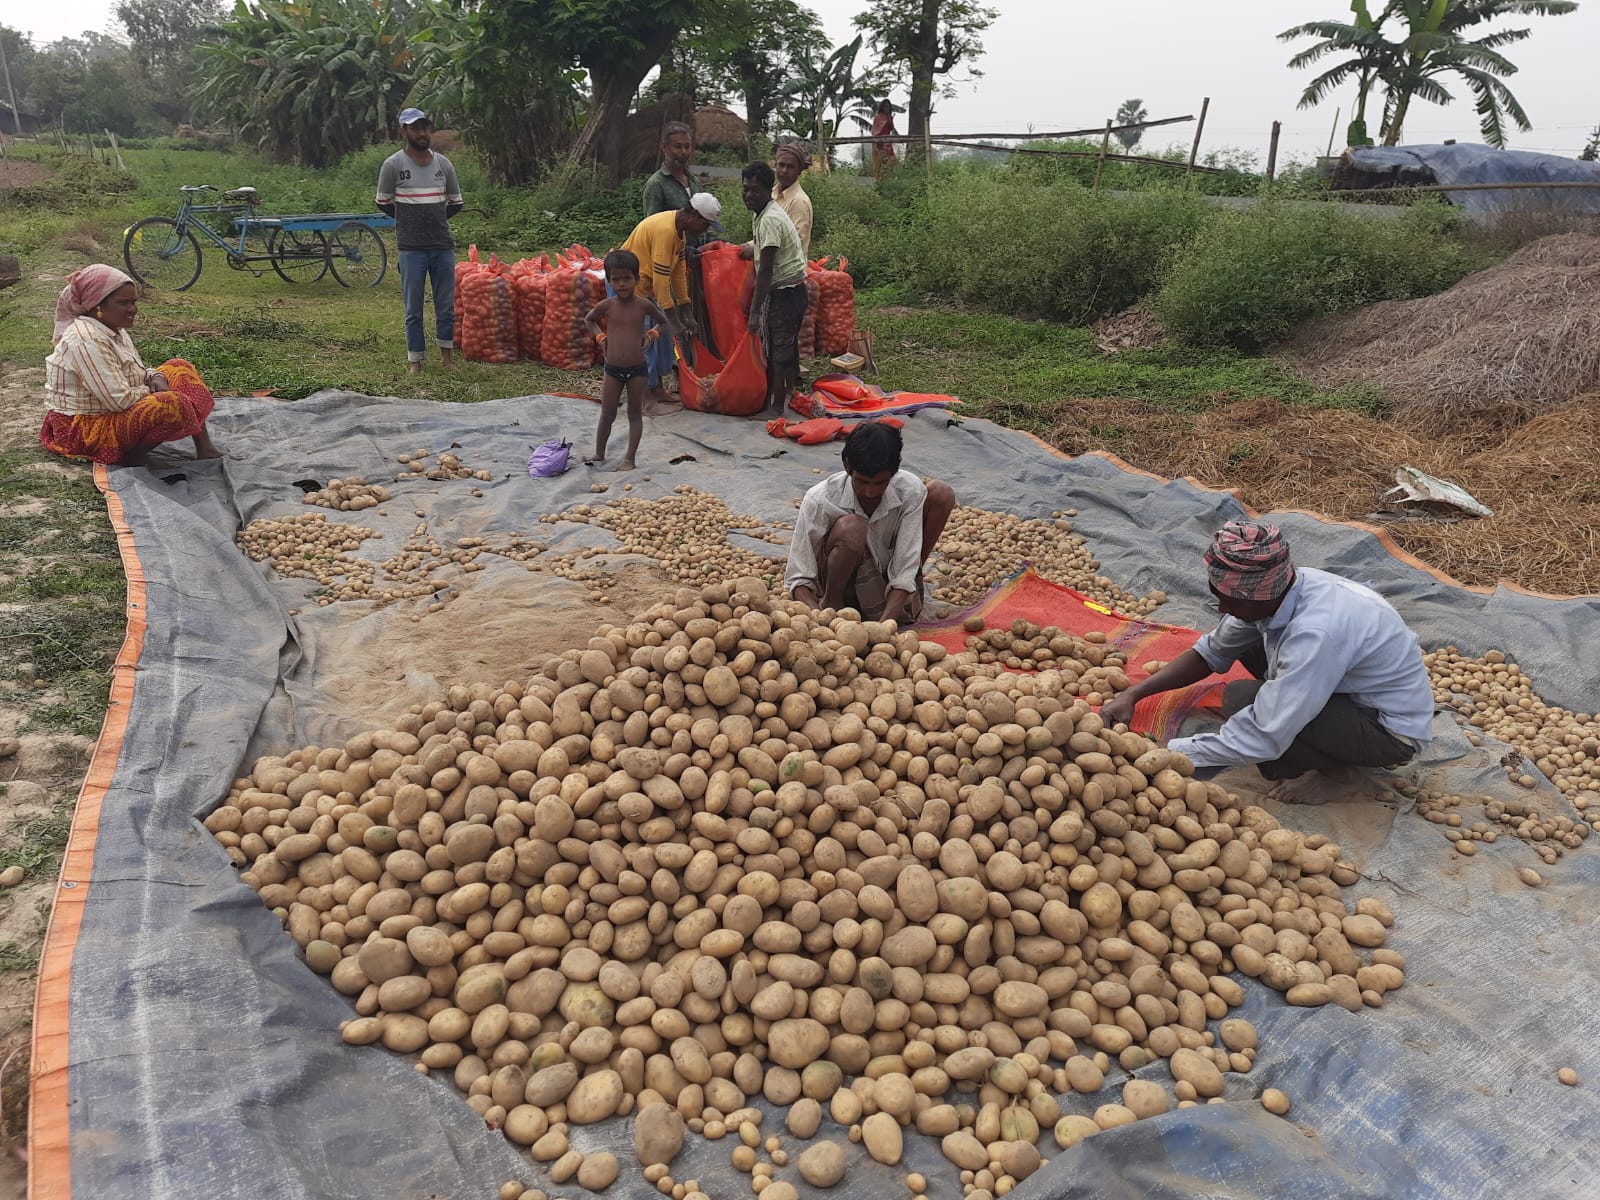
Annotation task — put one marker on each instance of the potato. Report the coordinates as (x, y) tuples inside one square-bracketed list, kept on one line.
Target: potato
[(822, 1165), (736, 848)]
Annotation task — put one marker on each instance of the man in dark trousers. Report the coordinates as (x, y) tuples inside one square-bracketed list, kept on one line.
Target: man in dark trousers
[(418, 188), (1339, 682)]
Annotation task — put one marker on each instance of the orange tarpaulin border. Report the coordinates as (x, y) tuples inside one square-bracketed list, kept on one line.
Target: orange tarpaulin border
[(49, 1157)]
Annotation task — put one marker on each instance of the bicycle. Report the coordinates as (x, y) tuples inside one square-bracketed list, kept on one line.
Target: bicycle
[(165, 251)]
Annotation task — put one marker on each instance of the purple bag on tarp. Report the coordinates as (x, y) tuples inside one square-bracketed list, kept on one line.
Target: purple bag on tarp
[(550, 459)]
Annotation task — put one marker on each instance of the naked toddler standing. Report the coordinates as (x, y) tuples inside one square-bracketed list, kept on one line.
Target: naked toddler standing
[(624, 338)]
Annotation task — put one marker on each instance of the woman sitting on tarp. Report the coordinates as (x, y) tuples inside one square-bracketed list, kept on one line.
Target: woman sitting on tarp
[(104, 404)]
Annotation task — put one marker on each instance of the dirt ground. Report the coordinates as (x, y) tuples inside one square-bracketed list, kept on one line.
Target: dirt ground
[(14, 172)]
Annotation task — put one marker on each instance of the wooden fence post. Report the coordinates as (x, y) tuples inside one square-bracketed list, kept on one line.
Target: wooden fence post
[(1100, 163), (115, 149), (1194, 150), (927, 147), (1272, 153)]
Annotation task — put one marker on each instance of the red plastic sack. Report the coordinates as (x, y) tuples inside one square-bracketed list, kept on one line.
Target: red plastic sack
[(736, 388), (486, 308), (836, 308), (570, 292), (725, 276), (529, 279)]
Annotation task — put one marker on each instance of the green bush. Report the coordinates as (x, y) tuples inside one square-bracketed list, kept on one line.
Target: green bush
[(1250, 279), (991, 239)]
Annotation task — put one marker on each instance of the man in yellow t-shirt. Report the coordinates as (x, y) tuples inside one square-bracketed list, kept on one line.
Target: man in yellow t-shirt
[(659, 241)]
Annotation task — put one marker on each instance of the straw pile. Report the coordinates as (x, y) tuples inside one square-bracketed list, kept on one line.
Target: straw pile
[(1502, 346), (1135, 328), (1545, 532)]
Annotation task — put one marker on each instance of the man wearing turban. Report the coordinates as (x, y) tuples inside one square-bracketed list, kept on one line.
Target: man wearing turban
[(1339, 680)]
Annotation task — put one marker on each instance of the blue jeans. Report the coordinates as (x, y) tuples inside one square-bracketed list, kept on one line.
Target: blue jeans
[(659, 355), (417, 268)]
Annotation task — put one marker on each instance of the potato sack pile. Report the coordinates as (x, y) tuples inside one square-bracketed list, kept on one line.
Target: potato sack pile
[(739, 850)]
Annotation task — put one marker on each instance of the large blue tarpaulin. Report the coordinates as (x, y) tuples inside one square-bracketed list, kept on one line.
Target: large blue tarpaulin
[(1472, 163)]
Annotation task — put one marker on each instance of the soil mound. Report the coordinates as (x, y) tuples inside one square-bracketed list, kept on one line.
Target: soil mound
[(1502, 346)]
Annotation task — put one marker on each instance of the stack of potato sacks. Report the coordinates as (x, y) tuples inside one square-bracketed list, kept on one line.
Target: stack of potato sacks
[(738, 849)]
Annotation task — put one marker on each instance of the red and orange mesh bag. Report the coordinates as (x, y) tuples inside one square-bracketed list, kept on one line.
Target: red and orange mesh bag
[(529, 278), (571, 290), (486, 311), (808, 326), (835, 305)]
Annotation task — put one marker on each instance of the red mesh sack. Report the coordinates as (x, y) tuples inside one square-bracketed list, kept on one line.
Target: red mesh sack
[(570, 292), (836, 309), (529, 278), (486, 307), (808, 326)]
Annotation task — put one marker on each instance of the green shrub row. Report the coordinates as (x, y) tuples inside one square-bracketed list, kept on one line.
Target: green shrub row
[(1031, 243)]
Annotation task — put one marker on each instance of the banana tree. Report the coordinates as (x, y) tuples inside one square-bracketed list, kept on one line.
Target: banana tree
[(1371, 56), (1437, 45), (829, 93)]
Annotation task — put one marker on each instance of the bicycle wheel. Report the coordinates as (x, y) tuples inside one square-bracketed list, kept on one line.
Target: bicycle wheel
[(161, 254), (357, 255), (298, 255)]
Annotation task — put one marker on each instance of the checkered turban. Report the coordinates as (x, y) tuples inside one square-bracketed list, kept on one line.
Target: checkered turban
[(1249, 561)]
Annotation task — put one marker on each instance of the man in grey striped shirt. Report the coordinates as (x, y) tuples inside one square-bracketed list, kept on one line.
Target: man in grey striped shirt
[(417, 187)]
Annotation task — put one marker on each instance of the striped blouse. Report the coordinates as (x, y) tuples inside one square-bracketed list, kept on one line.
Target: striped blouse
[(94, 369)]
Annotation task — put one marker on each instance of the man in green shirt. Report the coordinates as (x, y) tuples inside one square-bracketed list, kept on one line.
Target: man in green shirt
[(669, 189), (779, 302)]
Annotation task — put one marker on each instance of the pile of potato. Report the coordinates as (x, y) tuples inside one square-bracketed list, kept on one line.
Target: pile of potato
[(686, 533), (978, 548), (1026, 646), (446, 466), (1494, 697), (738, 849), (348, 495), (312, 547)]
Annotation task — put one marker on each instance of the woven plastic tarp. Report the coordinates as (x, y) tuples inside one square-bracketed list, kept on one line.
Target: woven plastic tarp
[(1470, 162), (183, 1049)]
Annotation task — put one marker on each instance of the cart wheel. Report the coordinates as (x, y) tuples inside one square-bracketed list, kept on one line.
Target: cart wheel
[(160, 254), (357, 255), (298, 255)]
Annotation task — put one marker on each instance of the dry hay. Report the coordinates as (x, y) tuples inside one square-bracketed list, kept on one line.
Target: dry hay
[(1135, 328), (1503, 345), (1545, 532), (716, 125)]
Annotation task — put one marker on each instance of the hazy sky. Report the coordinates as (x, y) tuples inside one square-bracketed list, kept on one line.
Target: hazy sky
[(1066, 64)]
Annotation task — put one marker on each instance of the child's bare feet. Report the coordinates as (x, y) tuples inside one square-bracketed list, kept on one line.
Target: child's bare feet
[(625, 465), (598, 461)]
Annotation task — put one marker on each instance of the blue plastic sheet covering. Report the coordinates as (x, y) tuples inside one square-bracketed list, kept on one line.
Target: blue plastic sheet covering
[(1475, 163), (203, 1056)]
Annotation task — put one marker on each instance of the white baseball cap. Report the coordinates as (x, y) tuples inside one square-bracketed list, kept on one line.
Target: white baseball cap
[(709, 207), (410, 116)]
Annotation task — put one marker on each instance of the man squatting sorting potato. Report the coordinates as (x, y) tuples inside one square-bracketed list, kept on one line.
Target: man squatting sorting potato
[(1339, 680), (864, 533)]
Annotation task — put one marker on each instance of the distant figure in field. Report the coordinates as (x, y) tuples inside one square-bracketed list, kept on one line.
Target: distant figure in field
[(883, 153)]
